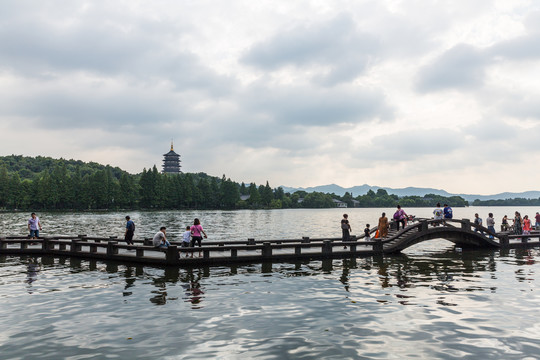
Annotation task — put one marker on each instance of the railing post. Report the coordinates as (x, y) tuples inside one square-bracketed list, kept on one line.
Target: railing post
[(327, 247), (147, 241), (75, 246), (503, 241), (378, 246), (62, 246), (251, 241), (524, 239), (424, 225), (234, 253), (206, 253), (82, 237), (297, 250), (24, 244), (305, 239), (3, 243), (353, 247), (111, 249), (466, 225), (93, 248), (45, 244), (171, 254), (139, 252), (267, 249)]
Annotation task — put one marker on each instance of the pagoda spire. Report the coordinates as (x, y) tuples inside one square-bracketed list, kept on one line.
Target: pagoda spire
[(172, 149)]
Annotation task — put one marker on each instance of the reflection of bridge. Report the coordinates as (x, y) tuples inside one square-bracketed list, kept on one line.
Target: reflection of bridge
[(461, 232)]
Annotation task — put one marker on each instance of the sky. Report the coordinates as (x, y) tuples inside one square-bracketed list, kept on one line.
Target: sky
[(440, 94)]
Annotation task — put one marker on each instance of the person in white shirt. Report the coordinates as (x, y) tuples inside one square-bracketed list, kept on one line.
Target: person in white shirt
[(160, 239)]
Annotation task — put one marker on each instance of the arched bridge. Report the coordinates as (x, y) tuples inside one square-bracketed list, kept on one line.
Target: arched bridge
[(461, 232)]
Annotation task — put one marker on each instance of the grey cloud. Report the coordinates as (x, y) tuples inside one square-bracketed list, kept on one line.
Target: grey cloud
[(317, 107), (413, 144), (461, 67), (337, 45)]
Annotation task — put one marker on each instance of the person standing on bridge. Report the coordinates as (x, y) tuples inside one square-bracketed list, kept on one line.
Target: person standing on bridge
[(130, 230), (518, 223), (34, 226), (196, 232), (383, 226), (490, 222), (504, 223), (537, 218), (345, 229), (478, 223), (526, 225), (399, 217)]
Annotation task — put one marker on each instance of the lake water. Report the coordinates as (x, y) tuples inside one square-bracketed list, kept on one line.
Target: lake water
[(432, 302)]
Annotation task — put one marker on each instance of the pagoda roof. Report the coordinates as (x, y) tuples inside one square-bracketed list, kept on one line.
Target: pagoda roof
[(171, 153)]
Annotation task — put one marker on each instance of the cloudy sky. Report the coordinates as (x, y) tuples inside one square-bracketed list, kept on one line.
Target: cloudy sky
[(442, 94)]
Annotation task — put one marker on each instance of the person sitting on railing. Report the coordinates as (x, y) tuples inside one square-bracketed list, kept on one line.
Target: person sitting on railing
[(448, 214), (437, 214), (504, 224), (478, 223), (160, 239), (490, 222)]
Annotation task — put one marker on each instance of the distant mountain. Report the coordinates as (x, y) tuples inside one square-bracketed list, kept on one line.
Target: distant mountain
[(410, 191)]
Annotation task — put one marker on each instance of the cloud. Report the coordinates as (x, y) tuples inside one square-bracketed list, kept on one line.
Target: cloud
[(337, 46), (461, 67)]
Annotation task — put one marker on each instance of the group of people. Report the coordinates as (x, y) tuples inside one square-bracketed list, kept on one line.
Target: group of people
[(520, 226), (192, 235), (400, 218)]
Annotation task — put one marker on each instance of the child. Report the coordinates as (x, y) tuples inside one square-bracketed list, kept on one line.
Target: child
[(186, 237), (366, 233)]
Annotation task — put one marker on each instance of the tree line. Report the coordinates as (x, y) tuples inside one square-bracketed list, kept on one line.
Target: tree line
[(43, 183)]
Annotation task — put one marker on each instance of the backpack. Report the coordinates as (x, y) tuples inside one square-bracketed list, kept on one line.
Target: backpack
[(132, 226), (397, 215)]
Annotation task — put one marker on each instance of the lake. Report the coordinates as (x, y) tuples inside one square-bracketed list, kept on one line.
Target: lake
[(433, 301)]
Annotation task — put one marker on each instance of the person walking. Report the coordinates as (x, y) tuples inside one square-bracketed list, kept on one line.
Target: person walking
[(490, 222), (34, 226), (383, 226), (196, 232), (130, 230), (345, 229), (399, 217)]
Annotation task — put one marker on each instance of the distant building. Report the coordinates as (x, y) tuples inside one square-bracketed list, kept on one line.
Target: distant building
[(339, 203), (171, 162)]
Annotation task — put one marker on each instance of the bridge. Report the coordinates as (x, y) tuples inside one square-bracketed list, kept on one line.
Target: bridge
[(462, 232)]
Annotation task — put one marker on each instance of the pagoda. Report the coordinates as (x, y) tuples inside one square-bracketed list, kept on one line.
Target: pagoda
[(171, 162)]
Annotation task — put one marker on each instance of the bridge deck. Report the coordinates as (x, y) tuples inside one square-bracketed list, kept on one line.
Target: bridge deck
[(462, 232)]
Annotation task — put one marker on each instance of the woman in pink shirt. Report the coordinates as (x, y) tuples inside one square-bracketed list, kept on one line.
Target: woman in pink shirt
[(196, 231), (526, 225)]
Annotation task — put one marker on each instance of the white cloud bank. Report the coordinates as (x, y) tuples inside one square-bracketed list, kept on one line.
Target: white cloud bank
[(391, 93)]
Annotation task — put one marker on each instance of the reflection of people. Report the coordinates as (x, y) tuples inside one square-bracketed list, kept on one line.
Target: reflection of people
[(130, 230), (196, 231), (490, 222), (345, 228), (383, 226), (34, 226), (160, 239)]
